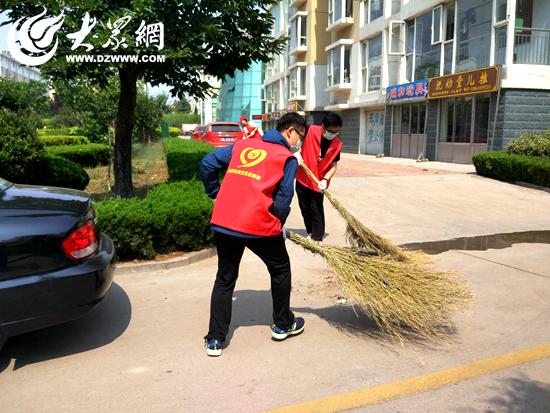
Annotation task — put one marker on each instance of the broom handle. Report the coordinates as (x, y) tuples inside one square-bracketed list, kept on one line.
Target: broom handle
[(311, 175)]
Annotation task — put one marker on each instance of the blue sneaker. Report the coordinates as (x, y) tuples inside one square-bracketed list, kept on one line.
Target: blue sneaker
[(297, 328), (213, 347)]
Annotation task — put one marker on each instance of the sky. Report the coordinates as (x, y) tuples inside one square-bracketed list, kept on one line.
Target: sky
[(4, 46)]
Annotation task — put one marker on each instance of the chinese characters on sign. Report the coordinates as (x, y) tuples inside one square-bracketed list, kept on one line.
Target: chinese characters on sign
[(464, 83), (408, 92), (375, 127)]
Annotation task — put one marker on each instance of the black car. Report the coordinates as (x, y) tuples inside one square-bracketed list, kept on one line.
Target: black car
[(54, 265)]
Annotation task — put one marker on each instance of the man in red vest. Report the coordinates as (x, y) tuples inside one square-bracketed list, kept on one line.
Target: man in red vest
[(250, 129), (320, 153), (250, 210)]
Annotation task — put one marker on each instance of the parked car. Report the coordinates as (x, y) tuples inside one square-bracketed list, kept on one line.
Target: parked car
[(54, 265), (220, 134), (197, 133)]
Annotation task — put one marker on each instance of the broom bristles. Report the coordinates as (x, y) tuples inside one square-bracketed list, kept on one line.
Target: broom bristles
[(359, 235), (395, 294)]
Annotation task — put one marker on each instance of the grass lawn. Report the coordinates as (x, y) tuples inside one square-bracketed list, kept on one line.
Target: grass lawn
[(148, 169)]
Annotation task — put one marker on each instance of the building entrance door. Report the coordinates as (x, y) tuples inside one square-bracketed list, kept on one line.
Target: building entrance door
[(409, 130), (464, 123)]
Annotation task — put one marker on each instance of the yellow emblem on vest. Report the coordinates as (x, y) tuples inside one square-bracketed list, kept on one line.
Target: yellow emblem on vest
[(251, 157)]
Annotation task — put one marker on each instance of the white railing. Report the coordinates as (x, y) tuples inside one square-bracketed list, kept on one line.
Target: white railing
[(532, 46)]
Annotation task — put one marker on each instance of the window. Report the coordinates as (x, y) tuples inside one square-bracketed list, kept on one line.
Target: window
[(338, 9), (298, 30), (339, 65), (371, 66), (423, 58), (297, 83), (376, 9), (436, 25), (473, 34), (448, 40)]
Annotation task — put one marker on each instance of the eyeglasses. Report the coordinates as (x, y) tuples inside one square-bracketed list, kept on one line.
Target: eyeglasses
[(302, 137)]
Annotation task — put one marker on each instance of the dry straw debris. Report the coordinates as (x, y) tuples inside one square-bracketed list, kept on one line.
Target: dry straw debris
[(395, 294)]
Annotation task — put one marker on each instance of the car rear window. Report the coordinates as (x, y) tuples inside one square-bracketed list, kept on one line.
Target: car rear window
[(4, 184), (201, 128), (226, 128)]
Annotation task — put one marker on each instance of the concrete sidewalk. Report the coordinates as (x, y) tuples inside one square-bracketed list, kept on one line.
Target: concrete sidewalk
[(142, 350)]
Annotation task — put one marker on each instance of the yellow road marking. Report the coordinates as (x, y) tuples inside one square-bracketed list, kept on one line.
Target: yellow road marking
[(418, 384)]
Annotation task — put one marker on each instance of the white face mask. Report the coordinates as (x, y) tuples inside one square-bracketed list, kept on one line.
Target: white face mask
[(330, 136), (296, 147)]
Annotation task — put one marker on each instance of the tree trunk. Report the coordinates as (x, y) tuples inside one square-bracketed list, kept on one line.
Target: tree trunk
[(124, 126)]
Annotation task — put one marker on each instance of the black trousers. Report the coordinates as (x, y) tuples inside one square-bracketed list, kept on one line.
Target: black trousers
[(313, 212), (272, 251)]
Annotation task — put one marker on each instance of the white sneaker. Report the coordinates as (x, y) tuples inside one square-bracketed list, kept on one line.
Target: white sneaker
[(308, 236)]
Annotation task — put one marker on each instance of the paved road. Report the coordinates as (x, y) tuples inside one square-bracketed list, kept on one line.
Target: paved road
[(141, 350)]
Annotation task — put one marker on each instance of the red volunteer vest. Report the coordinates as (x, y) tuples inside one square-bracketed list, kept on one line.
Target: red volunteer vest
[(248, 130), (246, 195), (311, 149)]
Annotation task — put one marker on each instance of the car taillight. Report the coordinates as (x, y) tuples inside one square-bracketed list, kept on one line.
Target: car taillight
[(82, 242)]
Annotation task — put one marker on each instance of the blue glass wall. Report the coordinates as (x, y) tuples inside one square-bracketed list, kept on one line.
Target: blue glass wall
[(239, 95)]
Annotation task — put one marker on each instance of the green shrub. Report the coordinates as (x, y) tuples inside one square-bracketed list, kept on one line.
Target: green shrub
[(52, 140), (61, 172), (61, 132), (129, 225), (532, 143), (46, 121), (21, 152), (174, 132), (173, 216), (183, 158), (90, 155), (510, 167), (176, 119)]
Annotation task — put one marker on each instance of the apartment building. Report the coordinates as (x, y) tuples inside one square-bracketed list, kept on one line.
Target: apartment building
[(296, 79), (10, 67), (419, 78)]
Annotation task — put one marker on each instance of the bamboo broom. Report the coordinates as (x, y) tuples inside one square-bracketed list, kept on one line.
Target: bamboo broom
[(359, 235), (395, 294)]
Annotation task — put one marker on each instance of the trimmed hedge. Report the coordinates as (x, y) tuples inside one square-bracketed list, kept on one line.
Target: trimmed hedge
[(53, 140), (61, 132), (62, 173), (183, 158), (175, 215), (510, 167), (89, 155)]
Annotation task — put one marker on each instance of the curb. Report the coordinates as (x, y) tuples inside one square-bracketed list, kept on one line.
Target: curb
[(532, 186), (165, 265)]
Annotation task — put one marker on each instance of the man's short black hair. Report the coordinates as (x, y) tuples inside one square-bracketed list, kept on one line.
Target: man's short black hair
[(332, 119), (291, 119)]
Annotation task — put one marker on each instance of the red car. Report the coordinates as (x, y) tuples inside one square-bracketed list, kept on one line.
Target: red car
[(197, 133), (220, 134)]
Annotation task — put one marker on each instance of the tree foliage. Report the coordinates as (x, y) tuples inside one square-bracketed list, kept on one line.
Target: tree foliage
[(215, 37), (23, 98)]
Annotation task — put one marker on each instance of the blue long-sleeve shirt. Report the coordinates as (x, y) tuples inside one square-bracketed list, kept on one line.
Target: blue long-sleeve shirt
[(282, 195)]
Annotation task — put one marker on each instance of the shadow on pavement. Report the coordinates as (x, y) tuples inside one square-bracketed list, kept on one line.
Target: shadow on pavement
[(253, 308), (103, 325), (519, 394)]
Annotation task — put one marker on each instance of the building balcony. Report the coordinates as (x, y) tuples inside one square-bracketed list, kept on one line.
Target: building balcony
[(297, 3), (298, 50), (532, 47), (340, 24)]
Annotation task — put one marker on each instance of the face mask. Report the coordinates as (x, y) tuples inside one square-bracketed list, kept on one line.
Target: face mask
[(296, 147), (330, 136)]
